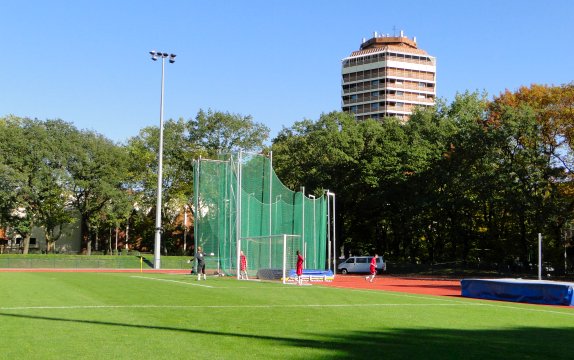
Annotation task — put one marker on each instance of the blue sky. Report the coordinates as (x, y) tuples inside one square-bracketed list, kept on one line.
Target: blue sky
[(87, 62)]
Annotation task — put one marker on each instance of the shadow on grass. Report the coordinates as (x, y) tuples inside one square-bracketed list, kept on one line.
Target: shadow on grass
[(431, 343)]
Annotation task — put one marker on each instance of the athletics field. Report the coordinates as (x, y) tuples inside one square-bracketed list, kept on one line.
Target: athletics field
[(156, 315)]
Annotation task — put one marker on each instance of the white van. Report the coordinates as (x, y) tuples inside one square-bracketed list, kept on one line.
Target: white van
[(361, 264)]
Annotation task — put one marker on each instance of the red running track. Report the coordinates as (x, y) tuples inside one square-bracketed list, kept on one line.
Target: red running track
[(437, 287)]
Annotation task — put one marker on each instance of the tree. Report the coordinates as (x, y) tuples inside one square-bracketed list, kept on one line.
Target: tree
[(98, 171), (223, 132), (34, 176), (540, 119), (353, 159)]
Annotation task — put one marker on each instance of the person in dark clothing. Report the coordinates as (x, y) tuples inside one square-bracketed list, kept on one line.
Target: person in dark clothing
[(200, 258)]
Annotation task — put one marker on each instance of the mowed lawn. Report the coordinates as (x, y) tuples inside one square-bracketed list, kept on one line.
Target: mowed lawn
[(166, 316)]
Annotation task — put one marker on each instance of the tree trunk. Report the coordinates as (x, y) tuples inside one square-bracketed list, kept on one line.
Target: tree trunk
[(86, 241), (26, 245), (97, 242), (127, 247), (110, 243)]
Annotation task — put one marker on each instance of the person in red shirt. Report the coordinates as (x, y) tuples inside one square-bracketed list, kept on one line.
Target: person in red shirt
[(373, 268), (243, 267), (299, 268)]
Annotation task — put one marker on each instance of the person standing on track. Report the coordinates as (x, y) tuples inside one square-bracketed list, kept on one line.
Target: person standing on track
[(373, 268), (200, 258), (243, 267), (299, 268)]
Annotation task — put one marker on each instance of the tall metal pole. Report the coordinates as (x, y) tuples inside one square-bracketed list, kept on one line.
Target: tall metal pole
[(157, 241), (539, 256), (314, 231), (239, 205), (196, 179), (565, 254), (158, 229), (270, 206), (270, 194), (303, 220), (328, 232), (334, 236), (184, 228)]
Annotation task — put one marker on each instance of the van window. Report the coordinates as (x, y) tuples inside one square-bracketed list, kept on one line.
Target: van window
[(350, 261), (362, 260)]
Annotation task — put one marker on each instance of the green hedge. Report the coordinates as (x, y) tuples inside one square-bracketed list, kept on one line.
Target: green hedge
[(55, 261)]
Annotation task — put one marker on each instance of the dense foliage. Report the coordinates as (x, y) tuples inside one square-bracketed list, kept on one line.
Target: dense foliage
[(474, 180), (52, 173)]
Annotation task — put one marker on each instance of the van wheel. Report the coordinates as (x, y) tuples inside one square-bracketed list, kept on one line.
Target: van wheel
[(344, 271)]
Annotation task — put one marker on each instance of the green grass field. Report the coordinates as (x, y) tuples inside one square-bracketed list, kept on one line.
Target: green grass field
[(162, 316)]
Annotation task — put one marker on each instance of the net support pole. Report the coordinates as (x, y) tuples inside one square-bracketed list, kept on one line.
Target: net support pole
[(328, 230), (539, 256), (305, 254), (303, 221), (331, 238), (238, 264), (270, 204), (334, 238), (239, 206), (197, 214), (284, 259)]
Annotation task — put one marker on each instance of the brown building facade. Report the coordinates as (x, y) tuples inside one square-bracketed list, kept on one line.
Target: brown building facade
[(388, 76)]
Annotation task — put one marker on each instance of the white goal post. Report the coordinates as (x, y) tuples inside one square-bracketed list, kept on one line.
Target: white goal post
[(270, 256)]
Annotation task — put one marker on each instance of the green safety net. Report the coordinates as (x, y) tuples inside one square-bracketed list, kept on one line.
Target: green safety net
[(240, 199)]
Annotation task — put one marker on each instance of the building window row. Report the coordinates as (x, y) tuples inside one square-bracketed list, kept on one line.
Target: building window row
[(384, 83), (382, 56), (389, 71), (385, 94)]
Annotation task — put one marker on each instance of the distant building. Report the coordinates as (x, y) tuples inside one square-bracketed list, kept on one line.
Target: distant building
[(388, 76), (69, 242)]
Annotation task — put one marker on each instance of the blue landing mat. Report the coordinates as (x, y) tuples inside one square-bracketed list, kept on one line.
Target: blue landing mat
[(518, 290), (313, 275)]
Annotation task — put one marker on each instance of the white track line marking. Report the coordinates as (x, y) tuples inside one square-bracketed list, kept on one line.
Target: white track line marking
[(80, 307), (172, 281)]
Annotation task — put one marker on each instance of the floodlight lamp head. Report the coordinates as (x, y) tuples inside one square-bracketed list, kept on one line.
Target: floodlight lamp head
[(153, 55)]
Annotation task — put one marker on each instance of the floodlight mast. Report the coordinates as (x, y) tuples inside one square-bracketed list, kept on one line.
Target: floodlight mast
[(158, 229)]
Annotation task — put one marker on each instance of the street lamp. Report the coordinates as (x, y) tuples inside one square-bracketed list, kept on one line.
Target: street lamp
[(157, 244)]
